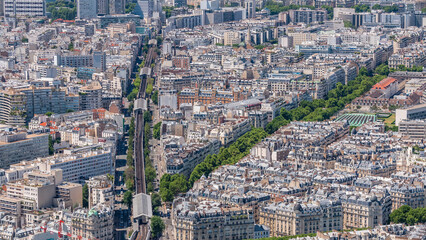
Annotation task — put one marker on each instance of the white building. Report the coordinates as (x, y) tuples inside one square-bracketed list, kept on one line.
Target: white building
[(414, 112), (24, 7), (80, 164)]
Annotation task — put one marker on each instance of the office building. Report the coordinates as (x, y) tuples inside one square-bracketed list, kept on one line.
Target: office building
[(102, 7), (79, 164), (411, 113), (415, 129), (23, 8), (19, 146), (144, 8), (117, 6), (307, 16), (86, 9), (250, 8)]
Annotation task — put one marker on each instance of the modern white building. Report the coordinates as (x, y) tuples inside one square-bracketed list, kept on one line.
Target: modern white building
[(414, 112), (34, 8), (80, 164)]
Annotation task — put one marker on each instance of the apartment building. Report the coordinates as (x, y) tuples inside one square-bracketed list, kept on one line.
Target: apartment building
[(19, 146), (100, 191), (33, 8), (182, 159), (96, 223), (365, 211), (285, 219), (415, 129), (69, 195), (307, 16), (210, 220), (407, 194), (33, 194), (210, 96), (80, 164), (231, 38)]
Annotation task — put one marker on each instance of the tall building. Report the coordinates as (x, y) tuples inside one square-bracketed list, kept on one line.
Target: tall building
[(86, 9), (103, 7), (250, 6), (91, 96), (144, 8), (117, 6), (33, 8), (96, 223), (40, 100), (18, 146)]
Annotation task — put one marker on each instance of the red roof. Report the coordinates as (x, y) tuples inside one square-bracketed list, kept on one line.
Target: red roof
[(385, 83), (44, 124)]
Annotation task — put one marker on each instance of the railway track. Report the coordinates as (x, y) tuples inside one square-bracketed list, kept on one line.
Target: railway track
[(140, 184)]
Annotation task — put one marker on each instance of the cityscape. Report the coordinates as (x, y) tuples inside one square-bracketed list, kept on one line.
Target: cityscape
[(213, 119)]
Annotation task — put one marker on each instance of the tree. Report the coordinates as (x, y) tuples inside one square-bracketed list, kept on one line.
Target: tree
[(154, 97), (348, 24), (330, 11), (361, 8), (130, 6), (157, 131), (127, 198), (424, 10), (157, 227), (48, 114), (166, 195), (85, 195), (147, 116), (24, 40), (51, 148), (71, 46), (156, 202), (130, 184)]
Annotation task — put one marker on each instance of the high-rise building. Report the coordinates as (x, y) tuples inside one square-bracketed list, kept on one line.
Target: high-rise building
[(86, 9), (144, 8), (24, 8), (250, 6), (117, 6), (103, 7), (91, 96)]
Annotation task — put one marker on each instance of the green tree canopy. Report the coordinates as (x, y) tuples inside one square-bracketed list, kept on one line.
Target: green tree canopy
[(157, 227)]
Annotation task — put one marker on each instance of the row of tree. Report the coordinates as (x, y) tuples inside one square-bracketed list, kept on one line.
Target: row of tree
[(321, 109), (171, 185)]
